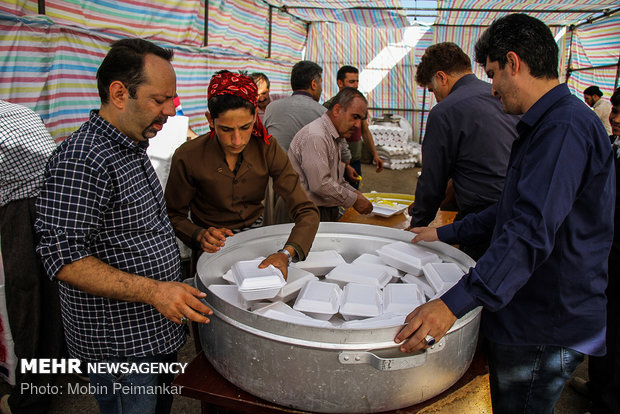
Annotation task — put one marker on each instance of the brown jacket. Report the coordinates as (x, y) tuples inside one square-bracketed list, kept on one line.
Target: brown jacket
[(201, 183)]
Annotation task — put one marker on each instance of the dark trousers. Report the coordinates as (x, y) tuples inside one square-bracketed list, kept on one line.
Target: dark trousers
[(32, 302), (357, 166), (604, 372), (329, 213)]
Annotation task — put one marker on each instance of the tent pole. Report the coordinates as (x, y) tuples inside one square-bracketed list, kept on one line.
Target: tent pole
[(422, 114), (617, 73), (41, 6), (570, 53), (270, 28), (205, 35)]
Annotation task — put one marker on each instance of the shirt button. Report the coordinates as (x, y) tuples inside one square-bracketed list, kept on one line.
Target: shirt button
[(243, 180), (235, 181)]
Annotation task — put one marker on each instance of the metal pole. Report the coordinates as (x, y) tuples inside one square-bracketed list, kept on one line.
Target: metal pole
[(270, 27), (570, 53), (422, 115), (205, 40), (41, 6), (617, 73)]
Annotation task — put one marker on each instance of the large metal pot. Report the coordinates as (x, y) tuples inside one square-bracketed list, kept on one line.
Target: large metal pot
[(323, 369)]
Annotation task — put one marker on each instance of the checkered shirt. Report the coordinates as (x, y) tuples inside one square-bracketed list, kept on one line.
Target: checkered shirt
[(101, 198), (25, 146)]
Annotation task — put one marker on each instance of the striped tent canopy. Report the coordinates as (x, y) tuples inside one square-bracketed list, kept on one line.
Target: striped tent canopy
[(553, 13), (362, 13)]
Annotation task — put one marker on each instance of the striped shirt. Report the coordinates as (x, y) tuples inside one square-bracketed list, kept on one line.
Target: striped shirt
[(315, 153), (101, 198), (25, 146)]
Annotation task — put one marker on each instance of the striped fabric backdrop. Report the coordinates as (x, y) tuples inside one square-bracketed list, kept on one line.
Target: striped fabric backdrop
[(51, 69), (383, 54), (467, 14), (596, 44)]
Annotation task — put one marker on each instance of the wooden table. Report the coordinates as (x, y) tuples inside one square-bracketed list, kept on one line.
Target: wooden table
[(398, 221), (202, 382)]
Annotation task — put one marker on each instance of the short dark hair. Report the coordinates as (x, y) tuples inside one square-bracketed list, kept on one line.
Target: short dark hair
[(222, 103), (593, 90), (303, 73), (526, 36), (447, 57), (615, 97), (345, 96), (125, 63), (258, 77), (342, 72)]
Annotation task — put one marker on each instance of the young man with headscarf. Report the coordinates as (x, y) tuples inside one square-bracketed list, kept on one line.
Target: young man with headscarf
[(219, 179)]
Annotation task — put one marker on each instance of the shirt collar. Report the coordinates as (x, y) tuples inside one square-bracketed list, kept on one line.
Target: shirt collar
[(538, 110), (304, 93), (114, 133), (463, 80)]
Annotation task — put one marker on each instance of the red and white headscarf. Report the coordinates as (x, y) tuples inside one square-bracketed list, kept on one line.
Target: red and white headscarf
[(228, 83)]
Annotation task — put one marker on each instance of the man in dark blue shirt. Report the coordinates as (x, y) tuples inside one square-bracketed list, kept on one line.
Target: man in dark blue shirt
[(468, 140), (542, 281)]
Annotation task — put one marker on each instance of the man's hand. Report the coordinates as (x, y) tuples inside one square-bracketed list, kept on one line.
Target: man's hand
[(433, 318), (362, 205), (212, 239), (279, 260), (350, 173), (379, 162), (176, 300), (424, 234)]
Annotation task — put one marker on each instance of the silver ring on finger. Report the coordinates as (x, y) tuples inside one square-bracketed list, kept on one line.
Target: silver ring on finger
[(184, 320), (430, 341)]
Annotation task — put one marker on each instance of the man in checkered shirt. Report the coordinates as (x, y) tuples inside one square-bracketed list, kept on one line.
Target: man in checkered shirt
[(105, 234), (32, 302)]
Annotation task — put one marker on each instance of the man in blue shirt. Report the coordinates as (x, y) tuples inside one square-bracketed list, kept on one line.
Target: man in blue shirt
[(106, 237), (542, 281), (468, 140)]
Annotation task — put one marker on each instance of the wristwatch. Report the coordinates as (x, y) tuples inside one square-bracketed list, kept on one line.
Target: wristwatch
[(287, 254)]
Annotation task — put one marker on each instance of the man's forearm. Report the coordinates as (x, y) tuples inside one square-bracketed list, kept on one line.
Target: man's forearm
[(93, 276)]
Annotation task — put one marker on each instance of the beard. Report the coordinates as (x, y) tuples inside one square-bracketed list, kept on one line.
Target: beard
[(150, 131)]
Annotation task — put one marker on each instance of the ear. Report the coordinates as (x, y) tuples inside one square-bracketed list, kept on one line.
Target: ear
[(210, 119), (513, 62), (337, 109), (340, 83), (118, 94), (442, 77)]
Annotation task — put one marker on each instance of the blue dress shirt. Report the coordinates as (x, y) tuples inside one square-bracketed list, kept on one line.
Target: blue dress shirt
[(542, 281)]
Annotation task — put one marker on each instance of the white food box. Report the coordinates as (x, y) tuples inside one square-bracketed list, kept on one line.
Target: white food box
[(296, 280), (374, 259), (385, 320), (228, 276), (230, 294), (401, 298), (255, 283), (442, 276), (363, 273), (283, 312), (320, 263), (319, 300), (384, 210), (360, 301), (424, 286), (407, 257)]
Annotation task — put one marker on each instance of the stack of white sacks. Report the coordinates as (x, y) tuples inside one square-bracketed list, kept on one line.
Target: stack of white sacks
[(394, 147), (372, 291)]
